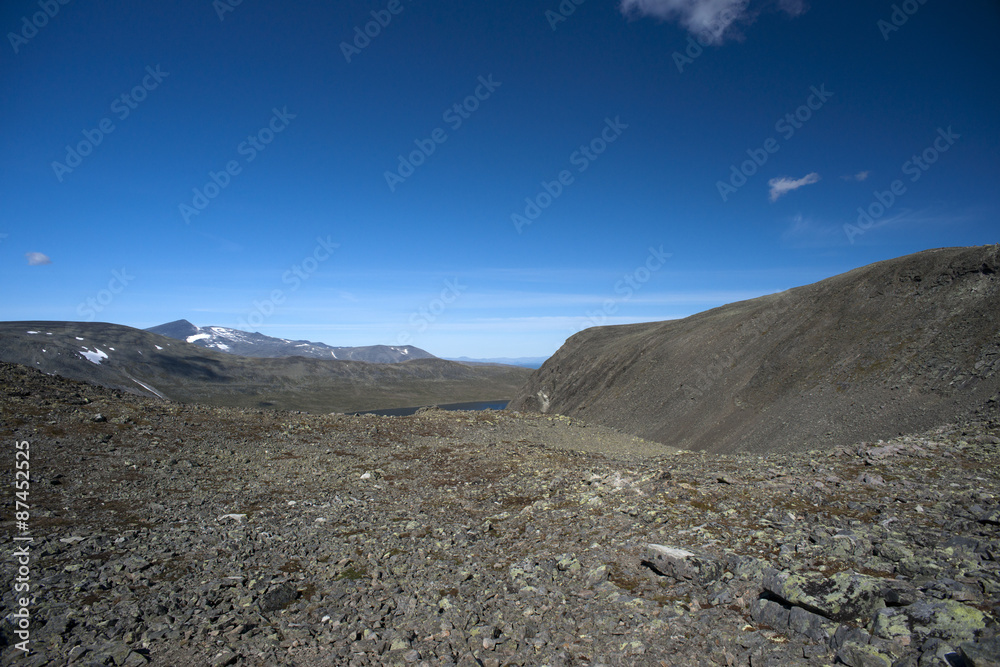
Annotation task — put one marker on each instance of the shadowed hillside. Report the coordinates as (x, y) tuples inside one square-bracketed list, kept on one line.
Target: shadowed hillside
[(895, 346)]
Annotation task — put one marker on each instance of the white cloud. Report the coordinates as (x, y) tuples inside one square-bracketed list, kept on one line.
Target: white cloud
[(37, 258), (780, 186), (709, 20), (860, 176)]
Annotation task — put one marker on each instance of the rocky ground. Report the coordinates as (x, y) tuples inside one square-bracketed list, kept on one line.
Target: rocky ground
[(171, 534)]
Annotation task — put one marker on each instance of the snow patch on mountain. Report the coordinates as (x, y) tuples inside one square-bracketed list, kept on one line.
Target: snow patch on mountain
[(96, 356), (244, 343)]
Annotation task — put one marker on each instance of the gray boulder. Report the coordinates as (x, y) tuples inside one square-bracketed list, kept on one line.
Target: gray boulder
[(843, 597)]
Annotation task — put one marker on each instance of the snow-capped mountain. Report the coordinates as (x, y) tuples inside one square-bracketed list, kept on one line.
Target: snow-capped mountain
[(151, 364), (255, 344)]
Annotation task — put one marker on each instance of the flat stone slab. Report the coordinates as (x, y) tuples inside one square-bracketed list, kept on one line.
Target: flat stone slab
[(683, 564)]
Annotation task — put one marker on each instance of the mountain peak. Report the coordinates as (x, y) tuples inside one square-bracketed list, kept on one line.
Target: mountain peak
[(243, 343), (180, 329)]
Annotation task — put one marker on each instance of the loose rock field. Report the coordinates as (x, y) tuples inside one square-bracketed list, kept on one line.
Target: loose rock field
[(172, 534)]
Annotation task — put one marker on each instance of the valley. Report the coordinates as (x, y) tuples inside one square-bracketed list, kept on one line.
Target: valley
[(146, 363)]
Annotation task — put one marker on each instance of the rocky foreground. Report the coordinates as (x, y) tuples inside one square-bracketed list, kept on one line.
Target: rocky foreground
[(170, 534)]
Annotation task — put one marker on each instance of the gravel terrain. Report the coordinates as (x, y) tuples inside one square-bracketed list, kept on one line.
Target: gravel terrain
[(171, 534)]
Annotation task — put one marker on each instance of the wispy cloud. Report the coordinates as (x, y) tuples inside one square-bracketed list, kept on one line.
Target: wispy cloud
[(348, 296), (37, 258), (793, 7), (807, 232), (800, 225), (783, 184), (710, 20), (927, 218), (860, 176)]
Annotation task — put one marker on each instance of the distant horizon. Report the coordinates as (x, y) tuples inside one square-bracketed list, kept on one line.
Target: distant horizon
[(210, 326), (286, 338), (451, 356), (480, 180)]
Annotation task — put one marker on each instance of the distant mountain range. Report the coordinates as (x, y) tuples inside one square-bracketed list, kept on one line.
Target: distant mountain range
[(523, 362), (245, 344), (147, 363)]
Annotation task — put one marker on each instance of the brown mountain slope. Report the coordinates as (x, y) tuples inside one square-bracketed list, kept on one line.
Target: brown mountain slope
[(896, 346)]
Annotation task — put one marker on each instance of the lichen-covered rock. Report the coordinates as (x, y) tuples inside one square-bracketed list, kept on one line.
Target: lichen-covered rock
[(843, 597), (948, 620), (853, 654), (893, 551), (596, 576), (984, 653), (747, 567), (991, 516), (920, 566)]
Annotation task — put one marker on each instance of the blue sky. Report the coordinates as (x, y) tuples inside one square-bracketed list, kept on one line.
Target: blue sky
[(272, 167)]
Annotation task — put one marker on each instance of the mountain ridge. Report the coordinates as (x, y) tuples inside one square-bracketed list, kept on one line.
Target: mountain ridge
[(256, 344), (525, 362), (893, 346), (146, 363)]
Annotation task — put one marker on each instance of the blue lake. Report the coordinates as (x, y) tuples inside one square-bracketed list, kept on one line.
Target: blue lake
[(403, 412)]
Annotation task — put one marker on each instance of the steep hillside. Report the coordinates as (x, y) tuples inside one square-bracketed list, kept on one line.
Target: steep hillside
[(893, 347), (141, 362)]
